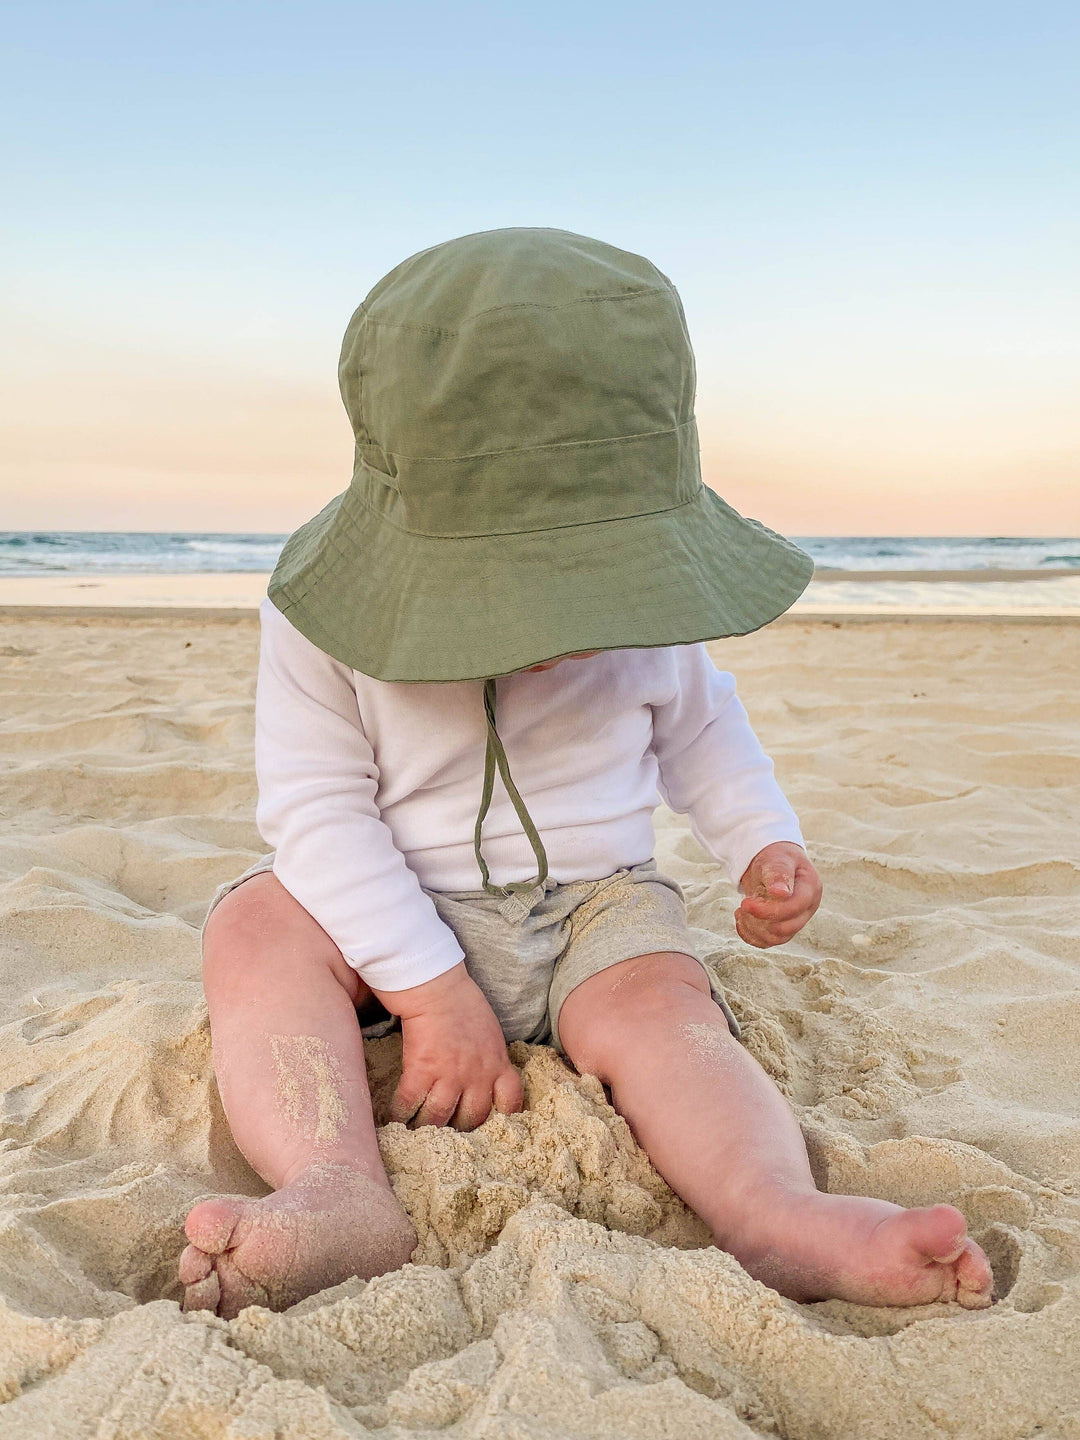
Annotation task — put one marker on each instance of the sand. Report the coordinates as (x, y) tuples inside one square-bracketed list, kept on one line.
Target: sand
[(926, 1027), (241, 589)]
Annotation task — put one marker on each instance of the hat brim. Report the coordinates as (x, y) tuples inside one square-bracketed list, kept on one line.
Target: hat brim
[(405, 607)]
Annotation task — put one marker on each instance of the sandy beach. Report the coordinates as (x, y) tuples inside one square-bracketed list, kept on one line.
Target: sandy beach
[(926, 1027)]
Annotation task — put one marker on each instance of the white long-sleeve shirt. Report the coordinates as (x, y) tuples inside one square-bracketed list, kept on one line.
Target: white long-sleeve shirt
[(368, 789)]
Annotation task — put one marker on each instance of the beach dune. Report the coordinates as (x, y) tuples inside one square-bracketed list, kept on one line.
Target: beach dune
[(926, 1027)]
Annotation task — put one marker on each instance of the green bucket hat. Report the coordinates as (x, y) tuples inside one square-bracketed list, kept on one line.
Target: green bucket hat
[(526, 482)]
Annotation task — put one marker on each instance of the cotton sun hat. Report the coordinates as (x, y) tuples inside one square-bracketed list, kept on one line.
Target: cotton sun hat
[(526, 482)]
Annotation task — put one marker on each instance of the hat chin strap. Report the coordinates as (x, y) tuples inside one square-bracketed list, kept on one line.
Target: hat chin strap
[(518, 897)]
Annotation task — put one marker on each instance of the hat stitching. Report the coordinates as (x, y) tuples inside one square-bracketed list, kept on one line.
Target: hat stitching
[(531, 449), (323, 562), (546, 530)]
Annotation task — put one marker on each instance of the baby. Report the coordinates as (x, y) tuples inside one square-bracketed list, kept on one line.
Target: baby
[(525, 566)]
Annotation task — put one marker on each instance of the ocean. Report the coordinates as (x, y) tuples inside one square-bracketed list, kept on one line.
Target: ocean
[(75, 552), (113, 552), (975, 574)]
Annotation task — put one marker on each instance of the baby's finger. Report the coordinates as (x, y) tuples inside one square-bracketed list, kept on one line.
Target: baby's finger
[(751, 931), (776, 887), (441, 1102), (473, 1109), (774, 932), (800, 900), (775, 878), (411, 1092), (764, 936), (509, 1095), (753, 907), (783, 930)]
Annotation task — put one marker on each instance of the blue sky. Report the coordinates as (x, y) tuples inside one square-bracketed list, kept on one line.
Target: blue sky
[(872, 214)]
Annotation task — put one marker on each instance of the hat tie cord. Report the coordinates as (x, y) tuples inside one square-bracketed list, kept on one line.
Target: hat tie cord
[(519, 896)]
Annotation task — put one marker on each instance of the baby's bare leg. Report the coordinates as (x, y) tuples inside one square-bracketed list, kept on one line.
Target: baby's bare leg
[(289, 1060), (726, 1140)]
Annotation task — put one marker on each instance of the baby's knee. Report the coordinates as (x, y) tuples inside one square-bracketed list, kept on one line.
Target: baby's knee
[(604, 1018), (650, 984), (257, 931), (230, 945)]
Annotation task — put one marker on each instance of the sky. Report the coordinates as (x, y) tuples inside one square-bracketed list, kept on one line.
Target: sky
[(871, 212)]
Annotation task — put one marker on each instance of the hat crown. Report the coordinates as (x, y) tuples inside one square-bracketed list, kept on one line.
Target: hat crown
[(496, 382)]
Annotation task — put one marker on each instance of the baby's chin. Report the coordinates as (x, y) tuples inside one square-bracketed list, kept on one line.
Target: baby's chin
[(550, 664)]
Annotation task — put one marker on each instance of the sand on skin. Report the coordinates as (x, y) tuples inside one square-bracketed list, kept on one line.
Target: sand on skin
[(926, 1027)]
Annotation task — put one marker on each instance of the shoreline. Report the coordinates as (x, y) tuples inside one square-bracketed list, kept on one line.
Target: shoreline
[(248, 615), (959, 577), (946, 594)]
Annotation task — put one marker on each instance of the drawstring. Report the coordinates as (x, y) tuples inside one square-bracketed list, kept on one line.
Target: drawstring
[(518, 897)]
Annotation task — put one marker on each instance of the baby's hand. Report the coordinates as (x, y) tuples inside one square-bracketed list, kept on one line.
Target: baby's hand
[(454, 1061), (782, 890)]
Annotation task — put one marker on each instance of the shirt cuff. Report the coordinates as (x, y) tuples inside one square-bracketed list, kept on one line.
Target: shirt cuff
[(402, 972), (752, 842)]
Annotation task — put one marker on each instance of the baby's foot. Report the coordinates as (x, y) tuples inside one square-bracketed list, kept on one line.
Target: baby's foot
[(328, 1224), (819, 1247)]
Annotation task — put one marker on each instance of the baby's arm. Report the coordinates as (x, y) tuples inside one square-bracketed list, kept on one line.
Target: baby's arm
[(713, 769), (336, 856)]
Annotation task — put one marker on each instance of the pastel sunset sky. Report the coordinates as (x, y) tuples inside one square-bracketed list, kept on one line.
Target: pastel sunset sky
[(872, 213)]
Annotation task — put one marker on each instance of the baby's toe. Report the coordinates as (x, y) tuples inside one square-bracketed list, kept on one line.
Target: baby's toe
[(210, 1226), (935, 1233), (195, 1265), (204, 1294), (237, 1289), (975, 1279)]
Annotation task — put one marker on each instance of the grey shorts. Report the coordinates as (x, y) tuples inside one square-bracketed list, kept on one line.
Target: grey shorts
[(527, 968)]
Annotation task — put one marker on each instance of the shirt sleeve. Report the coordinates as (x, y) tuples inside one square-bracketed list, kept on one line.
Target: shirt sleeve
[(333, 852), (712, 766)]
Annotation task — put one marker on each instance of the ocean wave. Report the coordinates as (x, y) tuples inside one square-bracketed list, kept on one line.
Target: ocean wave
[(958, 553), (233, 545), (133, 553)]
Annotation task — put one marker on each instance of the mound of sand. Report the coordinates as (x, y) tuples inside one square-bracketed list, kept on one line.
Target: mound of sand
[(926, 1027)]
